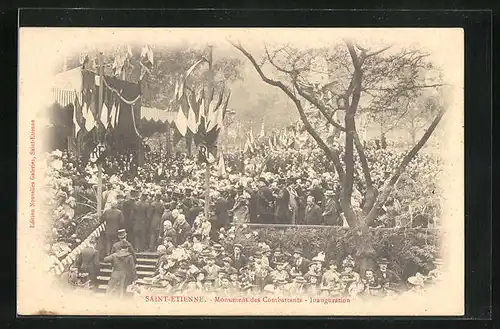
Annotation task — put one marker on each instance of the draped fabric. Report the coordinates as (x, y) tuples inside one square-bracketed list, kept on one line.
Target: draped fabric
[(120, 134)]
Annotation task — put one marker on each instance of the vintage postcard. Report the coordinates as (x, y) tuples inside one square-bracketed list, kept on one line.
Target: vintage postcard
[(256, 171)]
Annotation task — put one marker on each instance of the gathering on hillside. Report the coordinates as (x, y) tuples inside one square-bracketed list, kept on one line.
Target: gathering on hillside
[(312, 208)]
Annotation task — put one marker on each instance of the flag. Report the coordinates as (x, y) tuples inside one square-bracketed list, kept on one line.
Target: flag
[(89, 121), (191, 120), (246, 148), (262, 132), (117, 114), (84, 109), (213, 119), (176, 91), (104, 115), (190, 70), (204, 155), (252, 139), (150, 55), (112, 116), (222, 167), (75, 121), (181, 89), (181, 122), (270, 145)]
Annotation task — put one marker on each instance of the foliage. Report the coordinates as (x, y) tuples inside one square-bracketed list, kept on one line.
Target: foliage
[(408, 250)]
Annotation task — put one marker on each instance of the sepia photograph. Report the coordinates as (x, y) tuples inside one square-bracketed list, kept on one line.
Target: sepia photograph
[(256, 171)]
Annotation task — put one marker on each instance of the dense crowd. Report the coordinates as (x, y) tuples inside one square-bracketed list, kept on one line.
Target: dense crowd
[(199, 266)]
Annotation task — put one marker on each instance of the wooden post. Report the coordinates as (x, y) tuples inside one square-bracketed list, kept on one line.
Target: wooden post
[(207, 105), (99, 165)]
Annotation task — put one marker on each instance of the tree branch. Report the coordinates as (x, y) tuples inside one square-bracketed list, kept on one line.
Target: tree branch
[(323, 109), (402, 166), (332, 154)]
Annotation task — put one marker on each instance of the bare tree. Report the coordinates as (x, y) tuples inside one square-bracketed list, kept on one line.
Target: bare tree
[(351, 78)]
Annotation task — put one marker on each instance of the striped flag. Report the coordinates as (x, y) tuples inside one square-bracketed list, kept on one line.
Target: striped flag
[(75, 121), (222, 166), (191, 120), (104, 115), (181, 122), (89, 121)]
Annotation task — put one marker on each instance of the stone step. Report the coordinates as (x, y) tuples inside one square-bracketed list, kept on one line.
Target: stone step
[(147, 254), (139, 273)]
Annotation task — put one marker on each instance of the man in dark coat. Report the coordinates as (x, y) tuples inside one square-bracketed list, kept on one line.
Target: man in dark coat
[(313, 213), (127, 214), (221, 212), (122, 240), (114, 220), (265, 203), (123, 273), (384, 275), (87, 261), (156, 222), (283, 206), (317, 193), (141, 221), (300, 263), (239, 260), (253, 203), (331, 214), (182, 229)]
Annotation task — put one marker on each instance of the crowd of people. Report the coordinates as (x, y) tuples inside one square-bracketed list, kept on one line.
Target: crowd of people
[(287, 187), (159, 206), (200, 266)]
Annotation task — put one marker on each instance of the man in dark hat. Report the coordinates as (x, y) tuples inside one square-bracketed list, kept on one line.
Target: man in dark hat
[(266, 201), (221, 212), (239, 260), (140, 215), (114, 220), (122, 241), (384, 275), (227, 265), (313, 213), (331, 214), (123, 273), (87, 261), (127, 207), (283, 204), (300, 263), (156, 222)]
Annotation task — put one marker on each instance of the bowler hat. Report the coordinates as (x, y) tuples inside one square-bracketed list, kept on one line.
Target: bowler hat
[(297, 251), (122, 233), (383, 261)]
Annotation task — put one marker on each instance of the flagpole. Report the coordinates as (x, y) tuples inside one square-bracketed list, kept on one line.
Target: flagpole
[(99, 165), (207, 104)]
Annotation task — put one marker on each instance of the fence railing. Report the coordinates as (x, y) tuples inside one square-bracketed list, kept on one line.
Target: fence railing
[(61, 266)]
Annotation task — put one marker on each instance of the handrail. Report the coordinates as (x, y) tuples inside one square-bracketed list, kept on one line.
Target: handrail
[(70, 258)]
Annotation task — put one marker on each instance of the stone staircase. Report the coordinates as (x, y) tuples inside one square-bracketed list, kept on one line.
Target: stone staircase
[(145, 267)]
